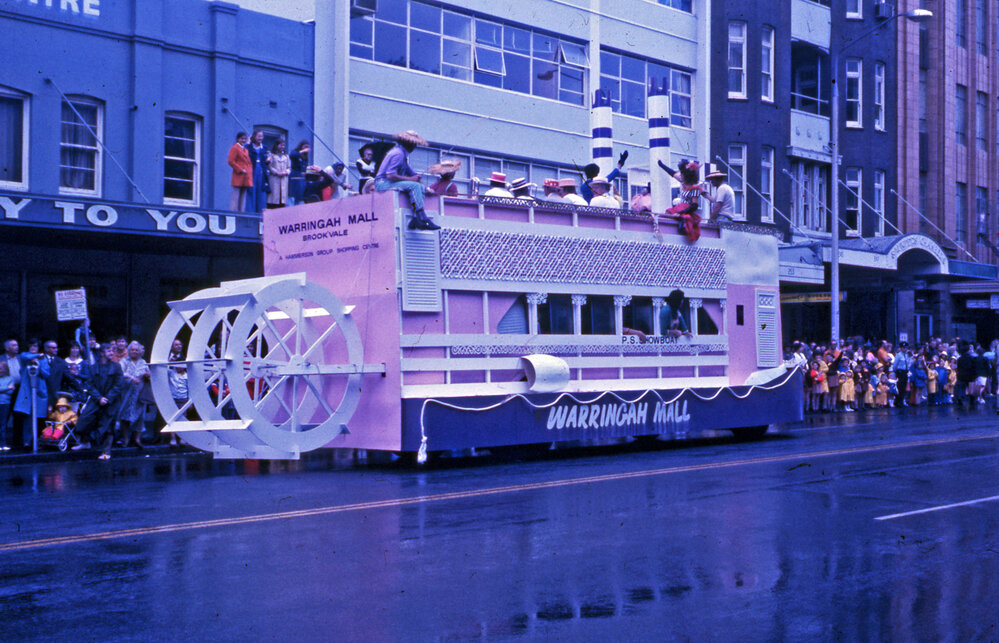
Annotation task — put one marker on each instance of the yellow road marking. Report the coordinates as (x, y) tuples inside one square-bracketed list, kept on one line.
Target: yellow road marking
[(472, 493)]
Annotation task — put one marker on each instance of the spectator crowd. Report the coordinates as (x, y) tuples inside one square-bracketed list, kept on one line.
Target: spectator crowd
[(856, 374), (98, 394)]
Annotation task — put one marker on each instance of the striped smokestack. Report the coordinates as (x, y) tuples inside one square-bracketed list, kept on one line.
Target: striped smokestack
[(602, 121), (658, 106)]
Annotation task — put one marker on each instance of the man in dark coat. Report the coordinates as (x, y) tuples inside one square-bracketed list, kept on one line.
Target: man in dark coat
[(104, 389), (58, 369), (966, 374)]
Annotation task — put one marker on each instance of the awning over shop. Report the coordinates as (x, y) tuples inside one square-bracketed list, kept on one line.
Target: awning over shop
[(912, 256)]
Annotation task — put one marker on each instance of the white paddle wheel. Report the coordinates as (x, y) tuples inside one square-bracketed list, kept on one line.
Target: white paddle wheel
[(274, 367)]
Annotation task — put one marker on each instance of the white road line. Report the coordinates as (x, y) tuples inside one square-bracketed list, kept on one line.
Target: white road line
[(966, 503)]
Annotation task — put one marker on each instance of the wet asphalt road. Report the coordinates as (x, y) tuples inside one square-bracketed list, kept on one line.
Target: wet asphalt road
[(794, 537)]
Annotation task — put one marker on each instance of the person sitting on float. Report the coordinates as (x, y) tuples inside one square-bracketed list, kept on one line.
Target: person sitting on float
[(394, 173), (690, 197), (672, 322), (521, 189), (551, 190), (601, 194), (446, 170), (592, 171), (567, 188), (497, 186)]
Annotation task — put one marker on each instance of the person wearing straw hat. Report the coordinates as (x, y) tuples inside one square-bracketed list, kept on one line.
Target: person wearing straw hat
[(567, 188), (394, 173), (497, 186), (521, 189), (723, 201), (601, 194), (446, 170), (551, 190)]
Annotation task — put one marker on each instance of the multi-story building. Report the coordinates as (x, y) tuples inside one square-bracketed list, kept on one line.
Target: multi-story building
[(948, 143), (772, 129), (115, 121)]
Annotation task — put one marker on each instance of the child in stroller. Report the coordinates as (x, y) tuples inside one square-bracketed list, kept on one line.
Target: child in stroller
[(59, 428)]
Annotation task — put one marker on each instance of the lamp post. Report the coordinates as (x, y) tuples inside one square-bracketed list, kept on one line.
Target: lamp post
[(916, 15)]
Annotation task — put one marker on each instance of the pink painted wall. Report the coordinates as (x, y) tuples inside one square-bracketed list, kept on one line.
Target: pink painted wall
[(352, 254)]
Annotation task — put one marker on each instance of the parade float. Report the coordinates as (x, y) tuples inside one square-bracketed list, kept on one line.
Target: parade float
[(518, 322)]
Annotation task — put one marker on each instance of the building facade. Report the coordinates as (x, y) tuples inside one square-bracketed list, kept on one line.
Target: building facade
[(116, 121), (773, 130)]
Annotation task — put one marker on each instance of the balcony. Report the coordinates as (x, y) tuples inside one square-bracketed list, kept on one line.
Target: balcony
[(810, 22), (809, 136)]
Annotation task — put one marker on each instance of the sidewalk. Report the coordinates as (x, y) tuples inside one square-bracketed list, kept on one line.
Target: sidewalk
[(50, 454)]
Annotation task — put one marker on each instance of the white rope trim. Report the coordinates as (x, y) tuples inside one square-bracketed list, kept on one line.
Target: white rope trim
[(421, 455)]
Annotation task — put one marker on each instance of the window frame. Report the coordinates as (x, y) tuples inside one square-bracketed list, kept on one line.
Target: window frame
[(879, 202), (961, 114), (767, 157), (767, 62), (738, 167), (196, 161), (23, 184), (854, 77), (854, 190), (857, 13), (982, 121), (77, 100), (739, 40), (961, 212), (880, 69)]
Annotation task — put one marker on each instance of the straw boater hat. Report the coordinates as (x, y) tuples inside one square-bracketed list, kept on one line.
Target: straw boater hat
[(566, 183), (446, 166), (599, 180), (409, 136), (520, 184), (498, 178), (551, 183), (716, 173)]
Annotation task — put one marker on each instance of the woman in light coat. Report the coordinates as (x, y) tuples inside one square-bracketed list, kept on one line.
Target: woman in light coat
[(280, 169)]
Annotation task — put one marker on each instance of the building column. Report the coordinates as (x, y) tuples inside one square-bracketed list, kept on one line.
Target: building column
[(331, 85), (620, 301), (534, 299), (657, 306), (578, 301), (695, 304)]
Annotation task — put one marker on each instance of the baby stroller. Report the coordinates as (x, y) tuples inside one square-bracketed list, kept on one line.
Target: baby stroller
[(60, 426)]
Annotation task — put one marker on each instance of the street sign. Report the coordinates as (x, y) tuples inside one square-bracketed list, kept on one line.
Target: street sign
[(809, 298), (71, 305)]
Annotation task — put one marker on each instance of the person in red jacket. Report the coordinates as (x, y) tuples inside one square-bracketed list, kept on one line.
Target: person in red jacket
[(242, 177)]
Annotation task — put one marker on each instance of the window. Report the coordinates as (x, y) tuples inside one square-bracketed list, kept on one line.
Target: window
[(879, 96), (433, 40), (981, 212), (854, 9), (555, 315), (682, 5), (961, 114), (879, 202), (851, 210), (767, 65), (14, 131), (982, 121), (736, 59), (181, 160), (961, 18), (680, 99), (981, 27), (767, 184), (961, 213), (854, 93), (80, 157), (737, 174), (597, 315), (809, 195), (272, 134)]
